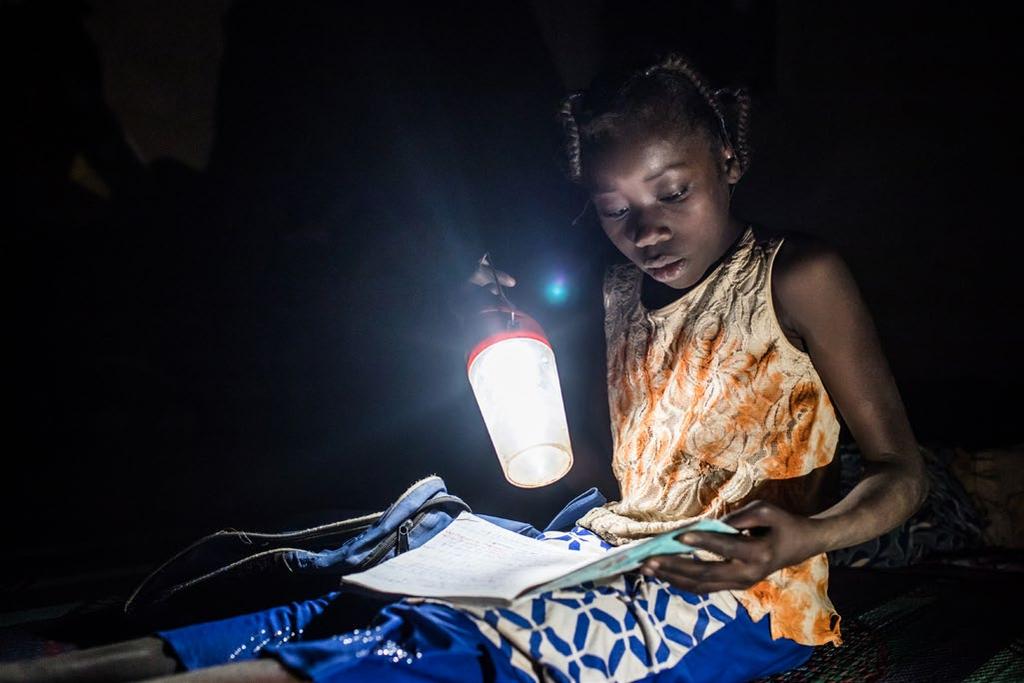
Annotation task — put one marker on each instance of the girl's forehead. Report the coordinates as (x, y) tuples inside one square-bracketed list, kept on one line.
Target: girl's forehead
[(640, 157)]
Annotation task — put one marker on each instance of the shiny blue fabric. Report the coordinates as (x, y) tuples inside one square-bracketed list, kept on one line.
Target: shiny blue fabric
[(455, 649), (406, 642)]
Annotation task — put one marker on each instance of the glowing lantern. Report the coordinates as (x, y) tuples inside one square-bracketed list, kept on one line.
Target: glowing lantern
[(515, 381)]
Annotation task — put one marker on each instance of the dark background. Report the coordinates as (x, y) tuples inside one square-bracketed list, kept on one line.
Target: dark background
[(233, 225)]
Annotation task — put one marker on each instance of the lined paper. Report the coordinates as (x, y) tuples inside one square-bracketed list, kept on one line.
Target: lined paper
[(472, 558)]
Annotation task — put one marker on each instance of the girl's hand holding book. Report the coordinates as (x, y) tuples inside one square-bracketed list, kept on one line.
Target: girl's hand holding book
[(782, 540)]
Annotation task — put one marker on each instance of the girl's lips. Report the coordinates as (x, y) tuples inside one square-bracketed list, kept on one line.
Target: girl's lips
[(667, 272)]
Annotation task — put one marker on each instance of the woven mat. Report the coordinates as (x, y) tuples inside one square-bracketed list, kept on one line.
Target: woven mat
[(922, 624)]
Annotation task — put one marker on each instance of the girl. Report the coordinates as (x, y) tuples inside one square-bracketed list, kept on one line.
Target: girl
[(729, 348)]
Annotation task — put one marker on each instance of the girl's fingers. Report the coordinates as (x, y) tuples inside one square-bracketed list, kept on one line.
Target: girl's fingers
[(726, 545), (685, 569), (483, 277)]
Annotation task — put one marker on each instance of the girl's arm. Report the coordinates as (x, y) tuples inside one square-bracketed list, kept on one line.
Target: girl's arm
[(817, 297)]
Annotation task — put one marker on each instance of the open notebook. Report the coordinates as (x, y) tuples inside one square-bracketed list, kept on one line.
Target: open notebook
[(473, 560)]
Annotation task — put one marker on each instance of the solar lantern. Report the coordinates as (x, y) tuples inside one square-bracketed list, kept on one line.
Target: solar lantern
[(511, 367)]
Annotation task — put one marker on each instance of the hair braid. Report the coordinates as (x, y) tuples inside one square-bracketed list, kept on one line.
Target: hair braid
[(742, 140), (567, 115)]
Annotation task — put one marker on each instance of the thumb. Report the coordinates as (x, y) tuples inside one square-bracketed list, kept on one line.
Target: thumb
[(754, 514)]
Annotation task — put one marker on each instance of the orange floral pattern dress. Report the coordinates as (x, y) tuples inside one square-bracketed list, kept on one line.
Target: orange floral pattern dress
[(710, 404)]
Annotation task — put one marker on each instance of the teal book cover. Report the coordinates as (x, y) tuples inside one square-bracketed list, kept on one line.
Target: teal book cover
[(628, 557)]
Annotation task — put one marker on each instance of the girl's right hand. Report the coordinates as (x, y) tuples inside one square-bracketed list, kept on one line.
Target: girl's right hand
[(469, 297), (484, 276)]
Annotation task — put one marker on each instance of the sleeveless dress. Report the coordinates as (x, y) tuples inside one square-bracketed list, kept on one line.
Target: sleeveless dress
[(712, 406), (673, 464)]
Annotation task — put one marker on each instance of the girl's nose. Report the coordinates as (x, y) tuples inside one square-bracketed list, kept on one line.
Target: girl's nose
[(650, 231)]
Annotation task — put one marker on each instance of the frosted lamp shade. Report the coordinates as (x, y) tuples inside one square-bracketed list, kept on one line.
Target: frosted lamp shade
[(515, 382)]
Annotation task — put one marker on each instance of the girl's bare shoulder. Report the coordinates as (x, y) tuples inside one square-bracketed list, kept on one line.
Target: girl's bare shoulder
[(800, 256), (806, 269)]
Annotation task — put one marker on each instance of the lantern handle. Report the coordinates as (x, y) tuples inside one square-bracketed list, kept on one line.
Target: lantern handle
[(486, 262)]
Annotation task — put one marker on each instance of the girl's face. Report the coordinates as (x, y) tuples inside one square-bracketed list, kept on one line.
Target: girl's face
[(663, 201)]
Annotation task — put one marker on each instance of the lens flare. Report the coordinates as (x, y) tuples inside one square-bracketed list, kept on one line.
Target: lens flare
[(557, 291)]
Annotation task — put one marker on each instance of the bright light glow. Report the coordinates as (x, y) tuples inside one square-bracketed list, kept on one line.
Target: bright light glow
[(515, 382), (557, 291)]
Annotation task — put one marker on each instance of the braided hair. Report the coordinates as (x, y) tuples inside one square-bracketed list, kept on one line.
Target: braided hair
[(670, 94)]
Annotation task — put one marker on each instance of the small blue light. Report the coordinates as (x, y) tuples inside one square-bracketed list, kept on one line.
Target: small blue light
[(557, 292)]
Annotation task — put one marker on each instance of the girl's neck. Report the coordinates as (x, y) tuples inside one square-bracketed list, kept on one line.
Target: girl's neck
[(655, 295)]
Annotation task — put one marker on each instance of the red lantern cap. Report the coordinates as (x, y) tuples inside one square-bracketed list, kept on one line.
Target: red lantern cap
[(498, 323)]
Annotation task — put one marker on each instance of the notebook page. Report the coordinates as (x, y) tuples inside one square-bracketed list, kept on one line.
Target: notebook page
[(469, 558)]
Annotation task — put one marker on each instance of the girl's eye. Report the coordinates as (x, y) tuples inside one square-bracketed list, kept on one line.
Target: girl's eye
[(675, 196)]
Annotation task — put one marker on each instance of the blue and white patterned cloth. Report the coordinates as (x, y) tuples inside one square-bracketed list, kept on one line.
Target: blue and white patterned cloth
[(625, 628)]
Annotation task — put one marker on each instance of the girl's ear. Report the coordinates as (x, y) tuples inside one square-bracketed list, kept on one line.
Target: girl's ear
[(731, 167)]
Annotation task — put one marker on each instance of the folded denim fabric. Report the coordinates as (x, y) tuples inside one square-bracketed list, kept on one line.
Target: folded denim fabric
[(232, 571)]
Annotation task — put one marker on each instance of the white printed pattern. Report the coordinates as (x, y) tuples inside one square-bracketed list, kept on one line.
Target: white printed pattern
[(623, 628)]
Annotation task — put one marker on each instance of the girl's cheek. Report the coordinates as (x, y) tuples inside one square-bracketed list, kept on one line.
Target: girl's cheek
[(623, 245), (614, 233), (617, 231)]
